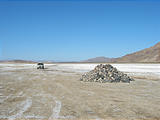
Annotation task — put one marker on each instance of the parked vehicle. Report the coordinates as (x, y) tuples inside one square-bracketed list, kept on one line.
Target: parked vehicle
[(40, 66)]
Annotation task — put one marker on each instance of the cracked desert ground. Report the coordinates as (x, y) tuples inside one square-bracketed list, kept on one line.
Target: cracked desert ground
[(57, 93)]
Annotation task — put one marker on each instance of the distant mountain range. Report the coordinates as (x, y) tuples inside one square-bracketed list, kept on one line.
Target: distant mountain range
[(24, 61), (151, 54), (148, 55), (16, 61), (98, 59)]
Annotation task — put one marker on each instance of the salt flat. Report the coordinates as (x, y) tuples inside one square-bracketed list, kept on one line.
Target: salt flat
[(57, 93)]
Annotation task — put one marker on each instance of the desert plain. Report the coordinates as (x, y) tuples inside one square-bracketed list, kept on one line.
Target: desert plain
[(57, 93)]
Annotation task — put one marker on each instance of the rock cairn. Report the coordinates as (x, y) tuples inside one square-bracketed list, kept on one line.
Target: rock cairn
[(105, 73)]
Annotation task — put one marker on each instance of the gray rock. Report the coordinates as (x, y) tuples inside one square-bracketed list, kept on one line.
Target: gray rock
[(105, 73)]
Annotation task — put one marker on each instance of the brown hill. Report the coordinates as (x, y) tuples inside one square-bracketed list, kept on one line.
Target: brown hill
[(151, 54)]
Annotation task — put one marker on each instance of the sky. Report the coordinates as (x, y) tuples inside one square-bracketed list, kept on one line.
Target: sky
[(73, 30)]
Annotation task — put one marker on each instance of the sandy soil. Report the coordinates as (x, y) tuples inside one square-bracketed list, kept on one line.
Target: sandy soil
[(57, 93)]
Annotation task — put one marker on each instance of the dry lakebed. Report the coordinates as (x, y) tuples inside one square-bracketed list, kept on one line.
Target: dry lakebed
[(57, 93)]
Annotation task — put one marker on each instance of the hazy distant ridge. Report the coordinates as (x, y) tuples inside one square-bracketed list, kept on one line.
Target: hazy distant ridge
[(151, 54), (98, 59)]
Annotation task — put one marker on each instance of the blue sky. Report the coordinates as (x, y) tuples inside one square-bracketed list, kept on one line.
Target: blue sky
[(76, 30)]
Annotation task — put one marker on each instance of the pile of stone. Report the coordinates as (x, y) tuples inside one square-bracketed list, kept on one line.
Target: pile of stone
[(105, 73)]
